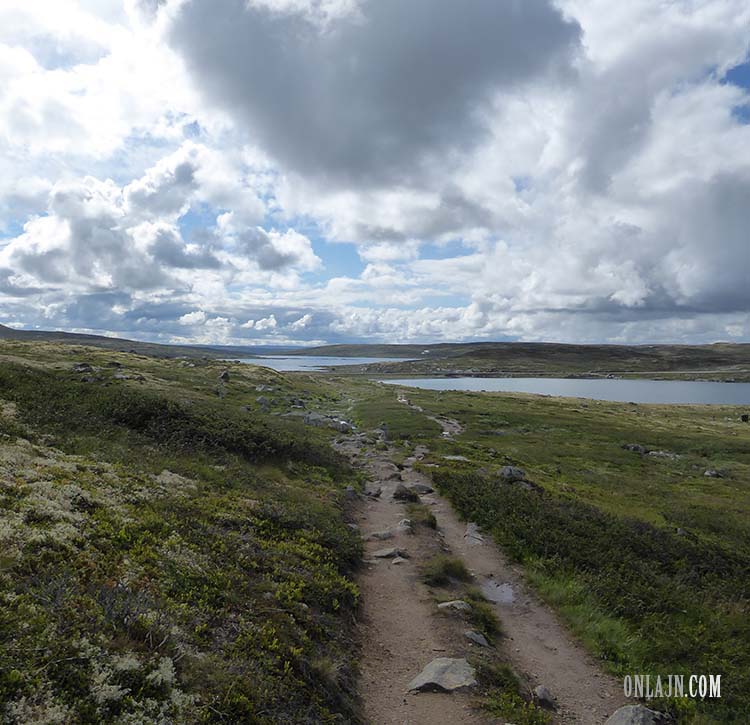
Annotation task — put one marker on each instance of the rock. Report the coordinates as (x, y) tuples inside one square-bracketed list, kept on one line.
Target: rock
[(350, 493), (476, 638), (636, 715), (263, 401), (444, 674), (113, 364), (386, 471), (713, 473), (390, 553), (456, 605), (398, 560), (380, 535), (82, 368), (421, 488), (126, 376), (455, 458), (405, 526), (472, 535), (353, 527), (341, 426), (401, 493), (664, 454), (375, 493), (544, 698), (315, 419), (745, 418), (511, 474), (224, 376), (636, 448)]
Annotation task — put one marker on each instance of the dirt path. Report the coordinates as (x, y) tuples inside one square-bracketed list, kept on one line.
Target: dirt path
[(401, 631)]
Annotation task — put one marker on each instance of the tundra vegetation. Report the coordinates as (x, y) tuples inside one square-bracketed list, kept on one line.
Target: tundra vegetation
[(633, 522), (174, 545), (168, 553)]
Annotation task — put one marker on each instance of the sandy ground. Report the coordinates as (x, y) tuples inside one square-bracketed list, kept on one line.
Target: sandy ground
[(401, 630)]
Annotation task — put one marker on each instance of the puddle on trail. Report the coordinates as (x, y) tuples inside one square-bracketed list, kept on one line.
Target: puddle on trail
[(498, 593)]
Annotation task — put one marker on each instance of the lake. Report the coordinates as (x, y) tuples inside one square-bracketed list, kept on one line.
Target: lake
[(290, 363), (636, 391)]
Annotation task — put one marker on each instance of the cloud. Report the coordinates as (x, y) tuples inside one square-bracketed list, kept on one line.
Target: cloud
[(181, 169), (377, 91)]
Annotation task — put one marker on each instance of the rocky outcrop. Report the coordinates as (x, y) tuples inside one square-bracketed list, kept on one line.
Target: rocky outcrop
[(444, 674)]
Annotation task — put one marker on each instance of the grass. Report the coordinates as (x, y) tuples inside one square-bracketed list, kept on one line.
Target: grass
[(421, 515), (168, 553), (443, 570), (646, 558)]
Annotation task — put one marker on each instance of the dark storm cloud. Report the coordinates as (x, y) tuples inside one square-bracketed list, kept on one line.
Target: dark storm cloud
[(367, 98)]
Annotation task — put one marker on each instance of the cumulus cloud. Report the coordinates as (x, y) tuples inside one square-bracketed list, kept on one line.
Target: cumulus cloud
[(570, 170), (379, 88)]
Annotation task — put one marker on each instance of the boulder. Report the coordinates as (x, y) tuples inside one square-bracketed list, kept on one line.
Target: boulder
[(636, 715), (476, 638), (543, 698), (713, 473), (401, 493), (444, 674), (405, 526), (390, 553), (636, 448), (398, 560), (456, 605), (224, 376), (380, 535), (315, 419), (374, 493), (511, 474), (421, 488), (82, 368)]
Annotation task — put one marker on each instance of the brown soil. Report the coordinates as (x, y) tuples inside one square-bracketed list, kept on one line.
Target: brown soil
[(401, 630)]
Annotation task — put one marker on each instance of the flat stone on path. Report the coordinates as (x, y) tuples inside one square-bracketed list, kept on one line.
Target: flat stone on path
[(476, 638), (390, 553), (472, 535), (380, 535), (456, 605), (636, 715), (444, 674)]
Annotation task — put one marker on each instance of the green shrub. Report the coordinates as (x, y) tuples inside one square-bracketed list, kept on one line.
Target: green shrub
[(442, 570)]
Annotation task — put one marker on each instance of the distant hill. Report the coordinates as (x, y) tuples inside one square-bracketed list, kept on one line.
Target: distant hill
[(151, 349), (542, 357)]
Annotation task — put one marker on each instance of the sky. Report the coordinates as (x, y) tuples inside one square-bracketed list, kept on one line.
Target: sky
[(327, 171)]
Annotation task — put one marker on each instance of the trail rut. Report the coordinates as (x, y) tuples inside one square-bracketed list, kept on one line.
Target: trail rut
[(401, 631)]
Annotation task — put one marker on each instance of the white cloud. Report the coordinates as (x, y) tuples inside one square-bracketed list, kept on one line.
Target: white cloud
[(576, 176)]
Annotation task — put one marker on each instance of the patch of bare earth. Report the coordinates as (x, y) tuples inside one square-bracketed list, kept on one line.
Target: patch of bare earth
[(401, 630)]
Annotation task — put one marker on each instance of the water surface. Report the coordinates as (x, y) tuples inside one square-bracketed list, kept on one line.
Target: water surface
[(693, 392), (290, 363)]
